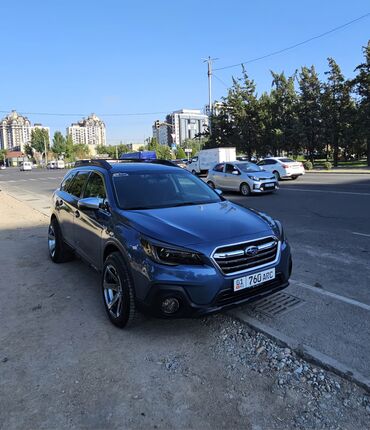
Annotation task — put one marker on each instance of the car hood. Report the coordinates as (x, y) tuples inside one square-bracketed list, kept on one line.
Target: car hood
[(187, 225), (260, 175)]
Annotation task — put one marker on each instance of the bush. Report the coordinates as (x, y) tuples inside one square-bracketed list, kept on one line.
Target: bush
[(327, 165), (308, 165)]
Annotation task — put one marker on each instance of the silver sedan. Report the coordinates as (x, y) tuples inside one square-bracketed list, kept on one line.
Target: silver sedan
[(244, 177)]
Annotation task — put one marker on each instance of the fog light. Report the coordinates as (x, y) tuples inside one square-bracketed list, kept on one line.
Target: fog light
[(170, 305)]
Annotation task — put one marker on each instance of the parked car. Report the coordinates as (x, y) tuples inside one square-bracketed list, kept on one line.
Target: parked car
[(241, 176), (25, 166), (2, 167), (51, 164), (282, 167), (164, 241), (179, 163)]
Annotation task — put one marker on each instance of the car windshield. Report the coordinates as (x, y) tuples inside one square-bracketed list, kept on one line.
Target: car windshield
[(249, 167), (153, 190)]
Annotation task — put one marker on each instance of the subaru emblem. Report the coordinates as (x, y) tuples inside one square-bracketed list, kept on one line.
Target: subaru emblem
[(251, 251)]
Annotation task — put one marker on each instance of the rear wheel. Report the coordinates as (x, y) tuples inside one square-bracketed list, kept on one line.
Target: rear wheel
[(59, 251), (211, 184), (118, 291), (245, 189), (294, 177), (277, 175)]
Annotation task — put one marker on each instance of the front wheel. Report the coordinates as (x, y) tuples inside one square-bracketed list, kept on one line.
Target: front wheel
[(211, 184), (193, 172), (244, 189), (277, 175), (294, 177), (118, 291)]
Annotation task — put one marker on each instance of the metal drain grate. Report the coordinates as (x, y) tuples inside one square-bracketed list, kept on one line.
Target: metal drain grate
[(277, 304)]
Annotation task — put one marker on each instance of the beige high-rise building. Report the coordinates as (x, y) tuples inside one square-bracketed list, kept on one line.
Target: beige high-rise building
[(15, 131), (89, 131)]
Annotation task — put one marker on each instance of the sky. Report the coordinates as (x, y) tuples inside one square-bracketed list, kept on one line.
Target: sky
[(112, 57)]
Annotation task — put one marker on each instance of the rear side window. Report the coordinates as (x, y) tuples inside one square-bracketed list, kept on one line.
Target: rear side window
[(67, 181), (95, 187), (78, 184), (219, 167), (286, 160)]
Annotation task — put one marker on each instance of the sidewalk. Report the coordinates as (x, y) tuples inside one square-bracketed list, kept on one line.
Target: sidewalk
[(354, 171), (318, 325)]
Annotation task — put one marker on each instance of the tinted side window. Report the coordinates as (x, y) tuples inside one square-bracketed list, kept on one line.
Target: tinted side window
[(78, 184), (219, 167), (67, 181), (229, 168), (95, 187)]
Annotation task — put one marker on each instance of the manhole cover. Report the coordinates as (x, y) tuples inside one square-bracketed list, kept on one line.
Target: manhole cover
[(277, 304)]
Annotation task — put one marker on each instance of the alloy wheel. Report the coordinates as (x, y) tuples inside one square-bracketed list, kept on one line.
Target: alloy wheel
[(113, 294), (51, 240)]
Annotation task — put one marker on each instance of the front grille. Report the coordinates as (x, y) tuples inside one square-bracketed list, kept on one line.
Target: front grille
[(233, 258), (227, 297)]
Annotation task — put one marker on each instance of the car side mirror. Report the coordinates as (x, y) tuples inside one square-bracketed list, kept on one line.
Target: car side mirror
[(89, 203), (235, 172), (219, 192)]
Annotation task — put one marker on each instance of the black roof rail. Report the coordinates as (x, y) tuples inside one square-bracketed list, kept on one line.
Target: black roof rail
[(105, 163), (95, 162)]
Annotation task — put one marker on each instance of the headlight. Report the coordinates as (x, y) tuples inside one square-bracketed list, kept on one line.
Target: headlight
[(280, 230), (171, 257), (254, 178)]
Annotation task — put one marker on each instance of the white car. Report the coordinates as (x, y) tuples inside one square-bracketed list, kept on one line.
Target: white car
[(282, 167), (26, 165)]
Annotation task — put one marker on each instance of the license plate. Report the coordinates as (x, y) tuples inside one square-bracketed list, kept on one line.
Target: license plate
[(269, 185), (253, 280)]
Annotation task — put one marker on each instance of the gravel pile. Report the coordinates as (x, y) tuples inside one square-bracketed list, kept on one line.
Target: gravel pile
[(326, 398)]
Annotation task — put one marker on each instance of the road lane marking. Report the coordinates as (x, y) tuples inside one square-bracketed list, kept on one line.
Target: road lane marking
[(333, 295), (324, 191), (361, 234)]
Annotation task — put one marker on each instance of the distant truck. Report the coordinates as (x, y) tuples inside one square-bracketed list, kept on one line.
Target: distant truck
[(207, 158), (56, 164)]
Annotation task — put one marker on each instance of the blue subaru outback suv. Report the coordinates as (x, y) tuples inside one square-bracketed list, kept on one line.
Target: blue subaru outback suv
[(163, 240)]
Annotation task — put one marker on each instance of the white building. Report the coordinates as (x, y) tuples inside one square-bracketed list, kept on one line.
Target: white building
[(89, 131), (15, 131), (181, 125)]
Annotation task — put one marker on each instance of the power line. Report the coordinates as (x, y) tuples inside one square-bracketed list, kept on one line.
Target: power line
[(220, 80), (296, 44)]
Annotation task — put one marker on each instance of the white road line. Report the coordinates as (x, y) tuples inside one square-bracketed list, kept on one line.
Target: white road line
[(360, 234), (324, 191), (332, 295)]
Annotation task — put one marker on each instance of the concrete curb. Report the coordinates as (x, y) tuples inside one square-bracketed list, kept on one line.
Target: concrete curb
[(339, 172), (306, 352)]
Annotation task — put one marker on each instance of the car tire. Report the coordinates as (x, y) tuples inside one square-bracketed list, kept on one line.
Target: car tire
[(277, 175), (294, 177), (59, 251), (245, 189), (211, 184), (119, 302), (194, 172)]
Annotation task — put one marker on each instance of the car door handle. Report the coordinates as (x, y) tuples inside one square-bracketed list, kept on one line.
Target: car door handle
[(77, 214)]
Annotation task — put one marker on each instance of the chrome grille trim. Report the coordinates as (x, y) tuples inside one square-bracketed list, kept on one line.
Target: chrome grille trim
[(266, 250)]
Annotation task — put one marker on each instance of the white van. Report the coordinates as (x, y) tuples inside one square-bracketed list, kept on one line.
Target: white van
[(208, 158), (60, 164), (51, 165), (25, 165)]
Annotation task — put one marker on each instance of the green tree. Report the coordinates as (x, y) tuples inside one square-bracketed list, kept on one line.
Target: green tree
[(59, 143), (180, 153), (69, 148), (3, 153), (309, 111), (362, 88), (337, 103), (80, 151), (40, 139)]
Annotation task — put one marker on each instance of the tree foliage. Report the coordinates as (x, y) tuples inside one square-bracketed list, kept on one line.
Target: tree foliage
[(40, 140), (299, 115)]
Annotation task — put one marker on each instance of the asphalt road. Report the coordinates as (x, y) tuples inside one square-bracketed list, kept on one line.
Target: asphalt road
[(327, 220)]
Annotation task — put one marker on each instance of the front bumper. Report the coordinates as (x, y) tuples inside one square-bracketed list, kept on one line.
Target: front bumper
[(204, 289)]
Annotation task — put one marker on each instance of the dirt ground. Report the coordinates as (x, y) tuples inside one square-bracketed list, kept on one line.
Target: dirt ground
[(63, 365)]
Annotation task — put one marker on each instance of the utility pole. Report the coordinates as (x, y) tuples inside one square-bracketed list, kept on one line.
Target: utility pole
[(46, 152), (209, 62)]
